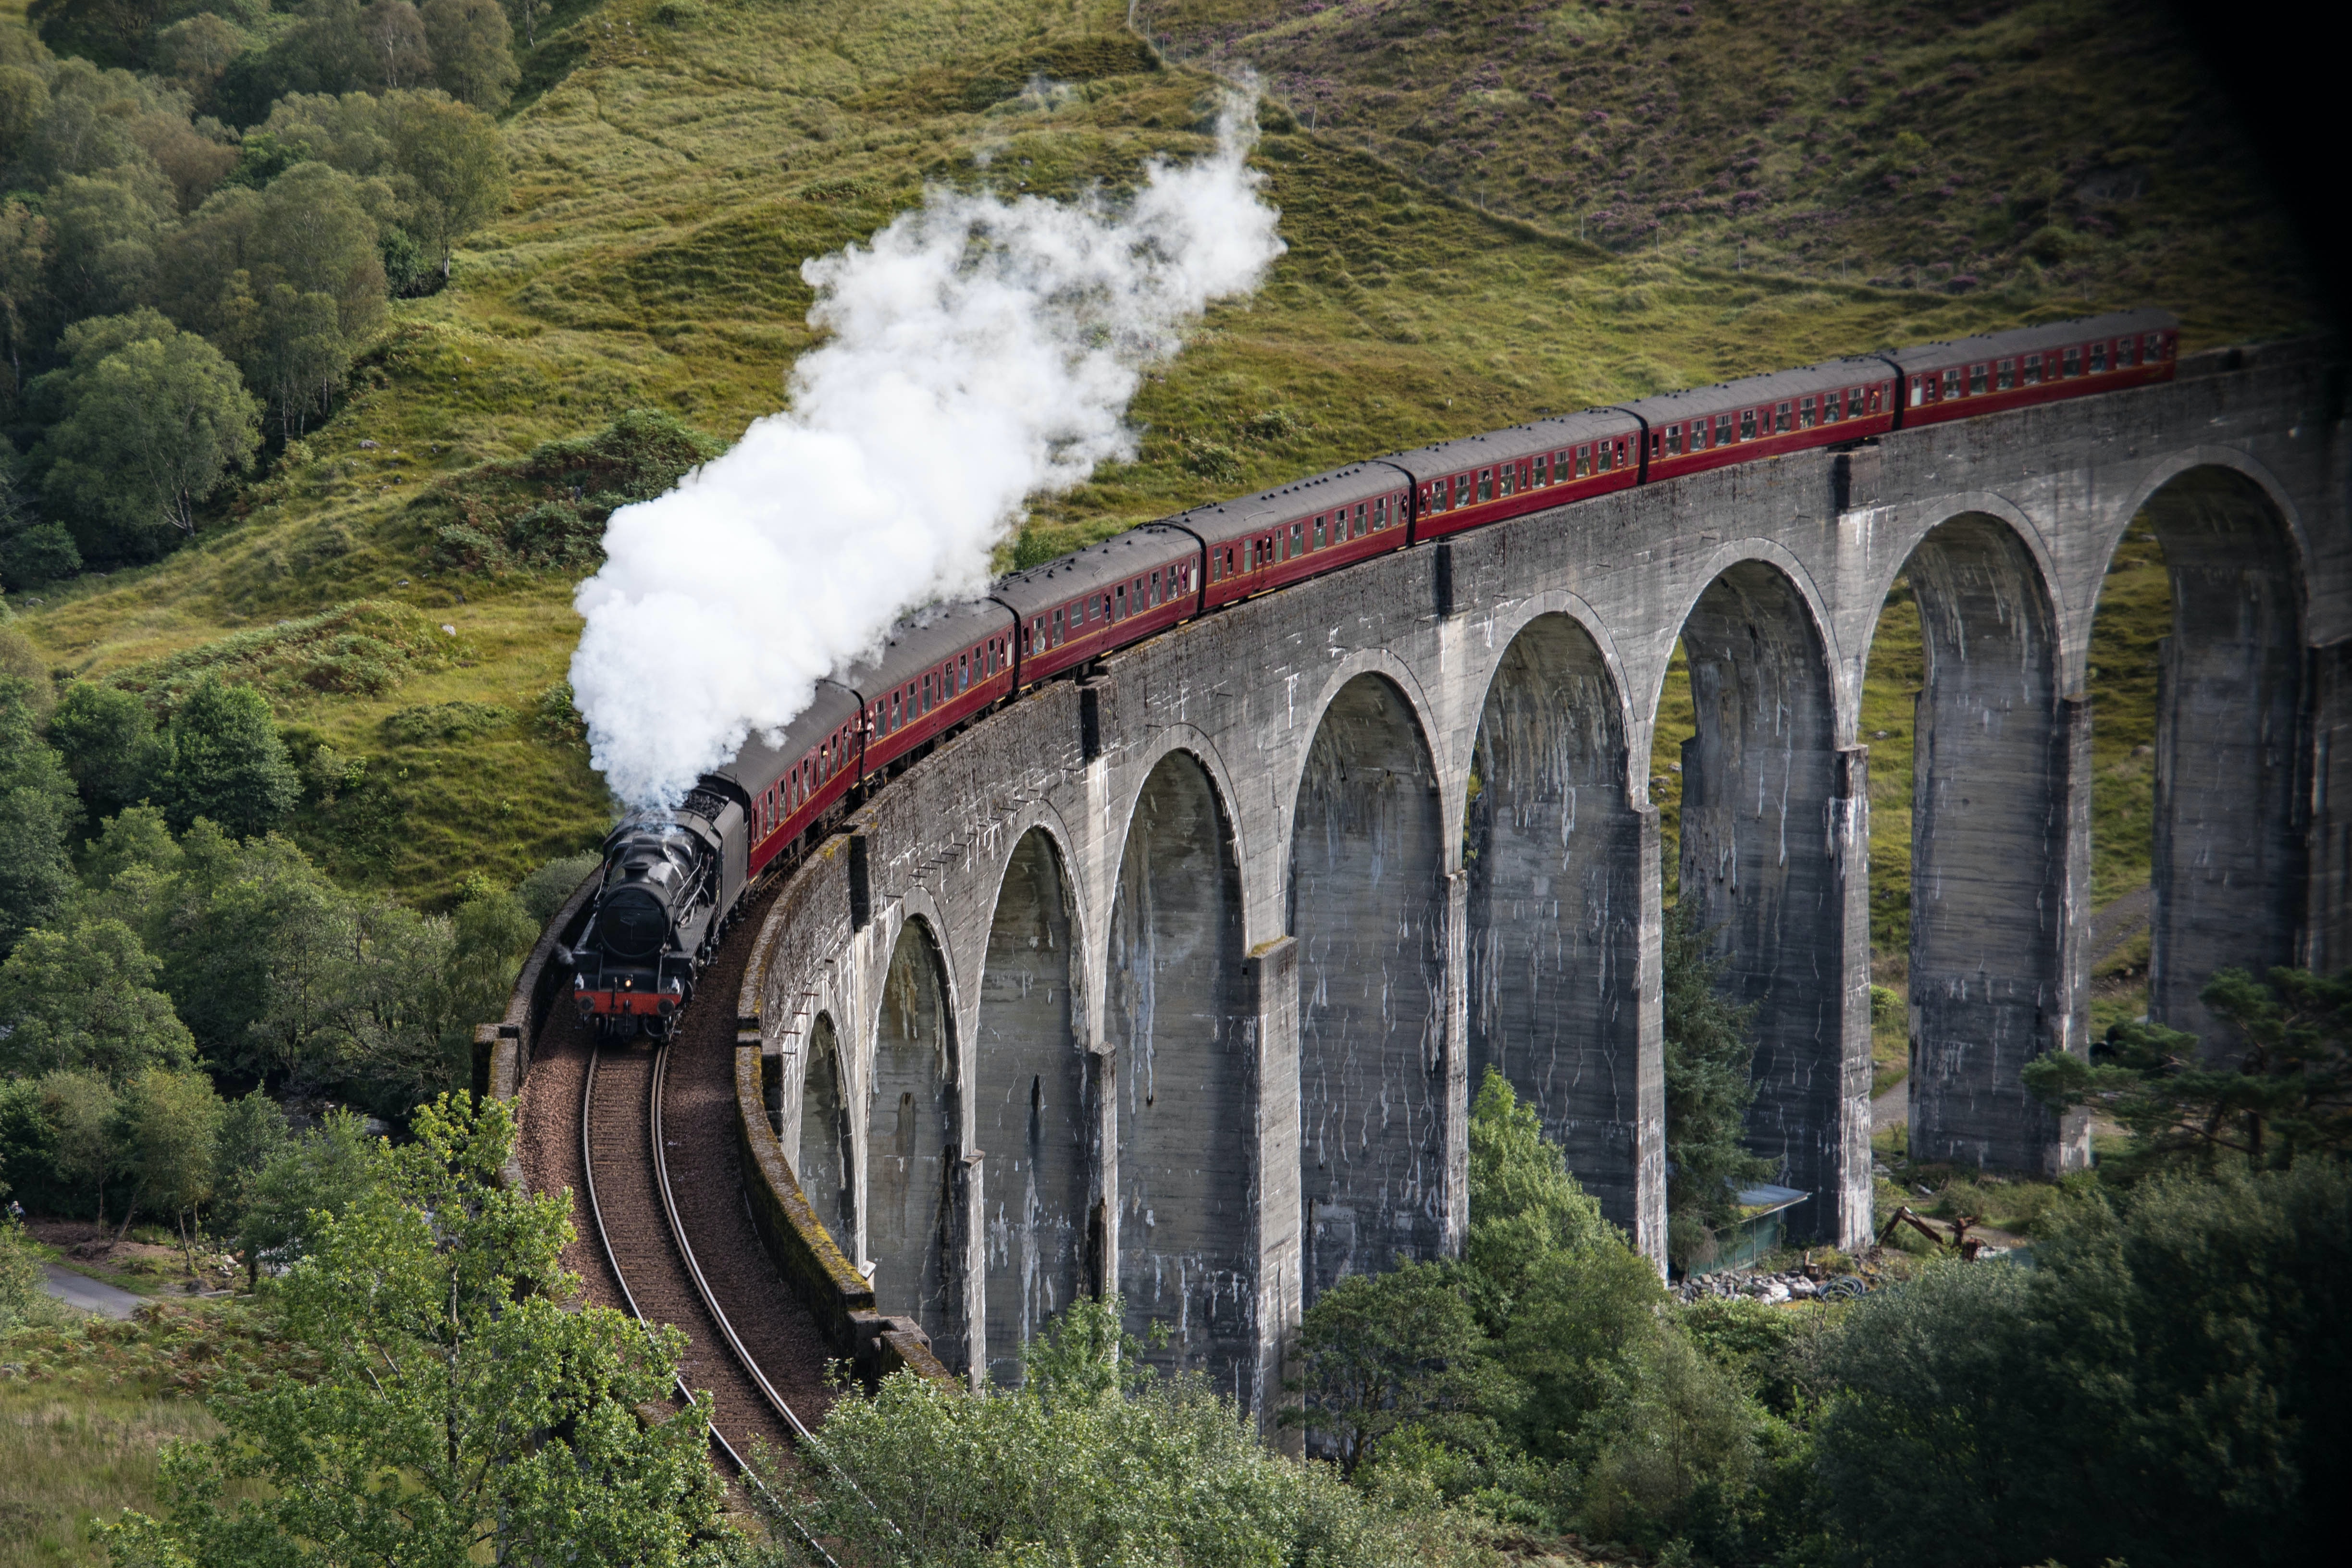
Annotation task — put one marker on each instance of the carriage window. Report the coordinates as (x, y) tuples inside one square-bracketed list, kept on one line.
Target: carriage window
[(2005, 375), (1297, 538), (1976, 380), (1829, 408), (2125, 355), (1746, 424), (1673, 440), (1722, 430), (1057, 626), (895, 700), (1379, 514), (2033, 370), (1952, 384), (1583, 461), (1805, 414), (1485, 484), (2073, 361), (1918, 394), (928, 701), (1119, 609), (1156, 598), (2157, 348), (2098, 357), (1781, 419)]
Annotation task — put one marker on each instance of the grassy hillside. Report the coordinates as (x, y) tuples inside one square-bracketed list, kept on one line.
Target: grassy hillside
[(676, 161)]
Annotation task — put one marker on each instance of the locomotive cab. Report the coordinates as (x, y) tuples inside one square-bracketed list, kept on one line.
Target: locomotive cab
[(651, 927)]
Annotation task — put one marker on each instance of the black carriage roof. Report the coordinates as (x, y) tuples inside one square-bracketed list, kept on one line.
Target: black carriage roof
[(2026, 339), (1115, 561), (1724, 397), (1222, 520), (760, 764), (924, 640), (1520, 441)]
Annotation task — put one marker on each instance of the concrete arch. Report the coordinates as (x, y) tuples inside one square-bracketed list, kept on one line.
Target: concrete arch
[(913, 1164), (2029, 538), (1175, 1019), (1504, 627), (2169, 466), (2233, 756), (1998, 901), (1383, 664), (824, 1142), (1032, 1115), (1784, 563), (1562, 897), (1775, 861), (1367, 907)]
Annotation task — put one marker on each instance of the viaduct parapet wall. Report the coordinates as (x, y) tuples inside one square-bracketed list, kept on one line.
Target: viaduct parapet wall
[(1178, 980)]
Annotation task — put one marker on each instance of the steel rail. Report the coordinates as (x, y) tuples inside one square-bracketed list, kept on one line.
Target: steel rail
[(612, 1260)]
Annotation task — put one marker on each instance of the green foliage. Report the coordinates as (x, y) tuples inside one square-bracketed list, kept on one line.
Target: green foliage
[(274, 968), (461, 1403), (2165, 1386), (171, 1142), (1708, 1090), (146, 433), (1674, 1455), (1524, 1208), (550, 509), (1089, 1462), (445, 721), (543, 892), (1381, 1353), (79, 1113), (85, 1001), (2286, 1091), (39, 555), (37, 811), (276, 1206), (22, 1296), (473, 51), (223, 761), (105, 737)]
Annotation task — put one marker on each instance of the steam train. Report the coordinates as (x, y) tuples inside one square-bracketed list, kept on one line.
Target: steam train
[(671, 882)]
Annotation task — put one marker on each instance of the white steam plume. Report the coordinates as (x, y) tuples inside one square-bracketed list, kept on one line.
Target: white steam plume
[(981, 351)]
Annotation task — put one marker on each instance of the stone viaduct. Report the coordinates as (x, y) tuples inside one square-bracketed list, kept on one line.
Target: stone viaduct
[(1176, 980)]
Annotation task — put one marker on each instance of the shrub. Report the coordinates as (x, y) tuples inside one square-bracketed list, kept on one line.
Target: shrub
[(549, 510)]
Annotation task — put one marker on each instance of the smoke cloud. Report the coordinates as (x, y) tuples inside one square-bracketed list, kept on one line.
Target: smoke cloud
[(980, 351)]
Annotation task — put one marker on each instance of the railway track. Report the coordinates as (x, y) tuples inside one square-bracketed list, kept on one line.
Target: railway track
[(644, 1135)]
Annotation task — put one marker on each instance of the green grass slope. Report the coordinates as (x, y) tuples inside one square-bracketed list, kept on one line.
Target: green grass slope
[(675, 162)]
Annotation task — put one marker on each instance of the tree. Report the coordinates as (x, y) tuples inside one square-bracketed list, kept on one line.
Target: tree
[(456, 1410), (37, 811), (25, 245), (2284, 1091), (324, 1172), (456, 166), (80, 1109), (104, 230), (2165, 1385), (171, 1135), (196, 51), (154, 428), (1381, 1353), (396, 50), (85, 1001), (473, 51), (1524, 1204), (1082, 1464), (253, 1131), (1709, 1055), (225, 761), (107, 740)]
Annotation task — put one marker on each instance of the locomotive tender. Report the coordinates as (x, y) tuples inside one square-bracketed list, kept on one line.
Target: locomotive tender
[(672, 882)]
